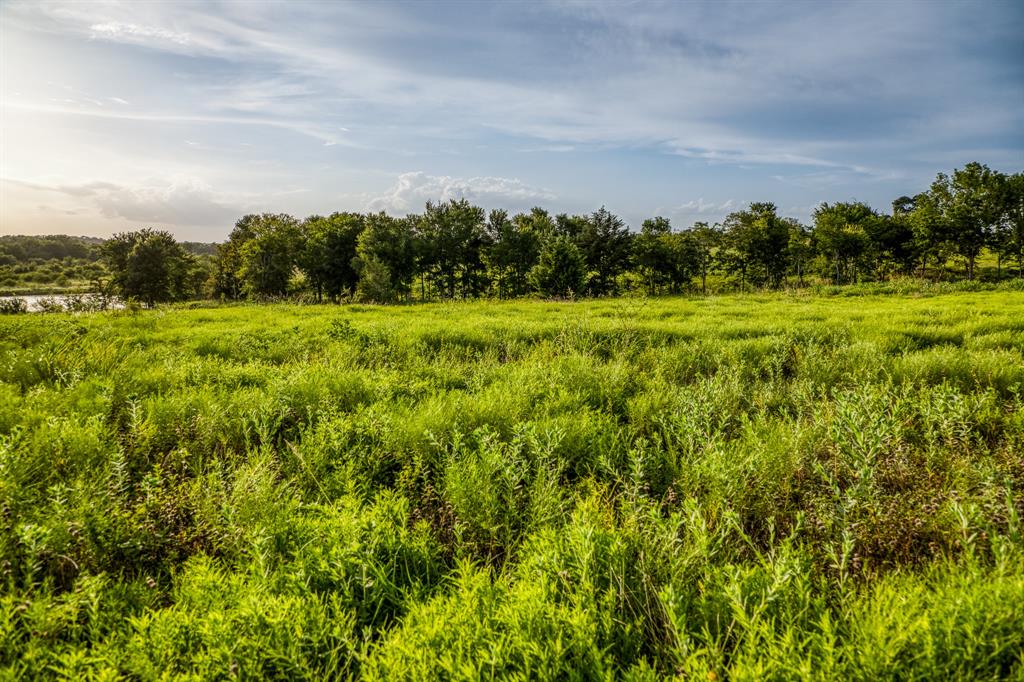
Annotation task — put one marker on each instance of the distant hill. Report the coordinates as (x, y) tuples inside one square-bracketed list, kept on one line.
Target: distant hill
[(200, 248), (26, 248)]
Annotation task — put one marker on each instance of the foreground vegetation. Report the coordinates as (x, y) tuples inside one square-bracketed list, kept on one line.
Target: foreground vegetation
[(747, 487)]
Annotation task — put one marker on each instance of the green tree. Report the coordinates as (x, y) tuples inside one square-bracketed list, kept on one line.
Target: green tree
[(971, 203), (756, 245), (706, 240), (513, 246), (375, 284), (571, 226), (801, 248), (270, 254), (930, 230), (149, 266), (390, 244), (841, 236), (328, 250), (606, 245), (1013, 217), (896, 241), (226, 279), (684, 249), (654, 253), (561, 270), (453, 238)]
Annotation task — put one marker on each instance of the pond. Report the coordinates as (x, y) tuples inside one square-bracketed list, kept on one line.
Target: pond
[(75, 302)]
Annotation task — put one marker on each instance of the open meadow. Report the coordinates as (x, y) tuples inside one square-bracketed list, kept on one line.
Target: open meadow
[(748, 487)]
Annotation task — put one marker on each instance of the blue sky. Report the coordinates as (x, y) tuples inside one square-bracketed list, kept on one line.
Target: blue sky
[(185, 116)]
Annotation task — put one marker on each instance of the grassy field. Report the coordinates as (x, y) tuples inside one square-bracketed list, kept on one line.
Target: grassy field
[(732, 488)]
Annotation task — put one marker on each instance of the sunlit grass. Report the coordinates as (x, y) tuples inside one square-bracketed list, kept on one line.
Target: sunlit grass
[(741, 487)]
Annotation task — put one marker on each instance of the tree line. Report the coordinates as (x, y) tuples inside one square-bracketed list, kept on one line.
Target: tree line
[(454, 249), (15, 249)]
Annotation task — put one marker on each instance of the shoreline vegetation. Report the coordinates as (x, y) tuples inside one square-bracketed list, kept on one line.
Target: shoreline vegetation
[(903, 286), (739, 487)]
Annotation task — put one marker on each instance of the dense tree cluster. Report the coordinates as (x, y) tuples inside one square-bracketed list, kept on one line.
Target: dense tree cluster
[(31, 263), (457, 250), (24, 248), (54, 264), (151, 267)]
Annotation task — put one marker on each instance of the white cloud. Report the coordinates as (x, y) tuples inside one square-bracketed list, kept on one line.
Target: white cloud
[(699, 210), (412, 190), (117, 30), (700, 206)]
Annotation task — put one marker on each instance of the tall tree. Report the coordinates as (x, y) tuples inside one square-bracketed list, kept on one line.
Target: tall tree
[(513, 246), (653, 253), (841, 236), (801, 248), (269, 256), (898, 242), (605, 243), (386, 256), (327, 251), (454, 236), (756, 244), (685, 257), (1013, 217), (972, 206), (226, 280), (931, 232), (149, 266), (890, 244), (706, 239)]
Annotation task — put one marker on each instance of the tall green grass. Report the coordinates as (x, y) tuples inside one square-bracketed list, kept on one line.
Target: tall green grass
[(744, 487)]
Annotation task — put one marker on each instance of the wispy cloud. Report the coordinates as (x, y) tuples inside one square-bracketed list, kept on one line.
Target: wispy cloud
[(640, 77), (739, 157), (329, 136), (601, 102)]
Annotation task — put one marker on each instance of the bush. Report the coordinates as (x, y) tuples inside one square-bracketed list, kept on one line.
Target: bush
[(13, 306)]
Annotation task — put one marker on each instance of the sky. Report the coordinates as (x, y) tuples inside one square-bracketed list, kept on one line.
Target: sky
[(185, 116)]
